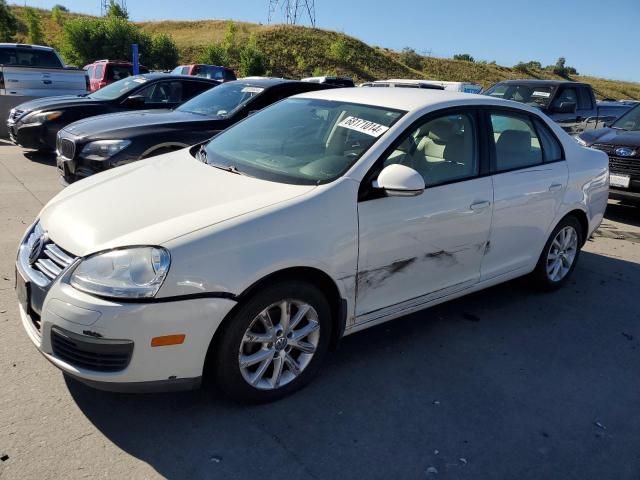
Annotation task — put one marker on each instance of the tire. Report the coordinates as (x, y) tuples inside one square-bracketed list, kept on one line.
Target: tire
[(246, 333), (542, 276)]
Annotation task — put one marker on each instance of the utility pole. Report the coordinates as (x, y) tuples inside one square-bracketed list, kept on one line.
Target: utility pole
[(294, 11), (104, 5)]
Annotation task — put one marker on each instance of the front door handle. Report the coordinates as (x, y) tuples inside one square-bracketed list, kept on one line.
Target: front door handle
[(480, 205), (554, 187)]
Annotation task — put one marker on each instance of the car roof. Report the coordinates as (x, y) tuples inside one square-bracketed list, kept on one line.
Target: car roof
[(161, 76), (549, 83), (26, 45), (409, 99), (266, 82)]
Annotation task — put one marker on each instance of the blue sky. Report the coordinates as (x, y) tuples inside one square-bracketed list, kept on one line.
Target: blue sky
[(597, 38)]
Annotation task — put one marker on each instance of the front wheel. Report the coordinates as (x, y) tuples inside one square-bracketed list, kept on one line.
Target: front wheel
[(274, 344), (560, 255)]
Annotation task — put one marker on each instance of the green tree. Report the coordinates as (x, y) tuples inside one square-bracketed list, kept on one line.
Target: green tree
[(117, 10), (34, 29), (411, 58), (465, 57), (164, 53), (229, 42), (8, 23), (559, 68), (214, 54), (252, 60), (58, 13)]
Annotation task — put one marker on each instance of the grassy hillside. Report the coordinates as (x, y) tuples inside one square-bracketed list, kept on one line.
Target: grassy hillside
[(295, 51)]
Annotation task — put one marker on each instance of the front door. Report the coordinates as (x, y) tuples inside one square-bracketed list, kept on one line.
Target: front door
[(415, 249)]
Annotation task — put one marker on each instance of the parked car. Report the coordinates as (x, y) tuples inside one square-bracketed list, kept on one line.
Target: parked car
[(465, 87), (217, 72), (33, 71), (402, 84), (621, 142), (104, 72), (319, 216), (337, 81), (35, 124), (100, 143), (573, 105)]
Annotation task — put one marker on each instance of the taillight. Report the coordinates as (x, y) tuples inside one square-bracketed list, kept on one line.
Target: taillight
[(1, 80), (102, 83)]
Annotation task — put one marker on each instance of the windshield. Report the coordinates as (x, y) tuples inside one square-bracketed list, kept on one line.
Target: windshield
[(119, 88), (629, 121), (222, 100), (300, 141), (533, 95)]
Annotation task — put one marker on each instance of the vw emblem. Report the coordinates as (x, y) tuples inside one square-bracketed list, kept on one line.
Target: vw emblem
[(281, 343), (36, 248), (625, 152)]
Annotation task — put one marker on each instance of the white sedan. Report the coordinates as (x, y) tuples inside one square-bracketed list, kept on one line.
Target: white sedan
[(249, 257)]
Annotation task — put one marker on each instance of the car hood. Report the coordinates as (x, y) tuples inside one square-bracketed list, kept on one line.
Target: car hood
[(612, 136), (153, 201), (63, 101), (105, 124)]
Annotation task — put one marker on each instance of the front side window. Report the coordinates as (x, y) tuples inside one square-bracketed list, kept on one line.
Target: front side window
[(516, 142), (118, 72), (585, 101), (442, 150), (300, 141), (567, 95), (162, 92)]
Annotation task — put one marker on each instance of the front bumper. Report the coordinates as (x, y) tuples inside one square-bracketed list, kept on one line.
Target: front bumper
[(107, 344), (624, 194), (34, 136)]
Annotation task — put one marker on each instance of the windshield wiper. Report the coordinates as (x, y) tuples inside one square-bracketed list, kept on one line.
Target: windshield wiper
[(230, 169)]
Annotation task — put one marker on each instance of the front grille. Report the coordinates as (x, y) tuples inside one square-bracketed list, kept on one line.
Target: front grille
[(100, 355), (66, 148), (45, 256), (626, 165)]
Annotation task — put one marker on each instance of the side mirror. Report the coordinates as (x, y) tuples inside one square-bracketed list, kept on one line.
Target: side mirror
[(400, 181), (135, 101), (565, 107)]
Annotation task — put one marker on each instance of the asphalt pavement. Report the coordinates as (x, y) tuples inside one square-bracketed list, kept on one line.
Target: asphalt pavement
[(507, 383)]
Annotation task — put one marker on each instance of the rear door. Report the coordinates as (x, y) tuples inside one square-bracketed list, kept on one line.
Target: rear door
[(529, 180)]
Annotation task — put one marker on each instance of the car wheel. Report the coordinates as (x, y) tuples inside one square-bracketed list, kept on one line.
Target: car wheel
[(560, 255), (273, 344)]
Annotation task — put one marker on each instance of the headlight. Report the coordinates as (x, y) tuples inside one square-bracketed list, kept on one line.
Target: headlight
[(581, 141), (41, 117), (135, 272), (103, 149)]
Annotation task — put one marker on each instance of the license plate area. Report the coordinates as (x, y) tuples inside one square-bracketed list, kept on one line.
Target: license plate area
[(620, 181)]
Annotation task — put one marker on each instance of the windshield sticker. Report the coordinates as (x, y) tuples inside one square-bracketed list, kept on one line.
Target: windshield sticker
[(252, 90), (541, 94), (363, 126)]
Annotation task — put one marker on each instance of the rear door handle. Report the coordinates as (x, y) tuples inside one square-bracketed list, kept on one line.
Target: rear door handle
[(480, 205), (554, 187)]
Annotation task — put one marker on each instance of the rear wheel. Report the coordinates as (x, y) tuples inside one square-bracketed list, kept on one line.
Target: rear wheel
[(274, 344), (560, 255)]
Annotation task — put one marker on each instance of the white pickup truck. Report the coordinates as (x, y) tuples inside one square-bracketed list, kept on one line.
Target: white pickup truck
[(33, 71)]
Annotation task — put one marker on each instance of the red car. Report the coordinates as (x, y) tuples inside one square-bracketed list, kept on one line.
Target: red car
[(103, 72), (216, 72)]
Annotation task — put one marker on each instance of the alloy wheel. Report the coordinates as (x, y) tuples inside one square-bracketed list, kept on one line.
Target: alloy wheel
[(562, 253)]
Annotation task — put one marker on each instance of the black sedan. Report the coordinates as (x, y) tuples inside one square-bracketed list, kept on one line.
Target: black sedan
[(35, 124), (104, 142), (621, 141)]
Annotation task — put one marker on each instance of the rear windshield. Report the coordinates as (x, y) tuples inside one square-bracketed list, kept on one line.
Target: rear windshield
[(28, 57), (533, 95)]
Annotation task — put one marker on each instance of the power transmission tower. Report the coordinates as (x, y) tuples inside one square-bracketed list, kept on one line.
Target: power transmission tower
[(294, 11)]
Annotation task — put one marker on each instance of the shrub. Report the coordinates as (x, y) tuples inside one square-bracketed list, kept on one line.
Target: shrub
[(34, 29), (57, 13), (252, 61), (164, 53), (521, 67), (338, 50), (214, 54), (465, 57), (8, 23), (410, 58)]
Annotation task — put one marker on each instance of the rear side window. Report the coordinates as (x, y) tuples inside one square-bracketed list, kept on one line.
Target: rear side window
[(90, 71), (27, 57), (551, 148), (99, 71), (516, 143)]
